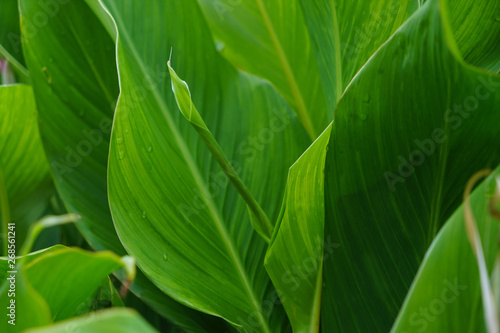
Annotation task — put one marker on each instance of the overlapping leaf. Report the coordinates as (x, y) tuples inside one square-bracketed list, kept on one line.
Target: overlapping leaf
[(25, 184), (394, 169), (38, 285), (431, 124), (165, 185), (113, 320), (296, 253), (270, 39), (447, 289), (10, 38), (71, 60), (309, 50)]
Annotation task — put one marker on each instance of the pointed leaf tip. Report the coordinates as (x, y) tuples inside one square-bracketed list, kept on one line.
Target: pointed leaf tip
[(183, 99)]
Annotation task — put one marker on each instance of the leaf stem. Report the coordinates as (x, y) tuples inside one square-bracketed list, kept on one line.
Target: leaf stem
[(490, 313), (259, 220), (45, 222)]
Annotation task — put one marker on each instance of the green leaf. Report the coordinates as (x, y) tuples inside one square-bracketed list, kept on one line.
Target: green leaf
[(72, 64), (79, 273), (446, 293), (10, 38), (39, 282), (258, 217), (398, 160), (26, 301), (75, 82), (295, 256), (25, 184), (163, 182), (382, 211), (310, 50), (112, 320), (270, 39), (483, 18), (346, 33)]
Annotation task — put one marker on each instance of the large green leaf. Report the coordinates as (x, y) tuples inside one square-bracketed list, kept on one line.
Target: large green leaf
[(398, 160), (75, 82), (171, 203), (25, 184), (72, 64), (310, 50), (382, 213), (447, 289), (113, 320)]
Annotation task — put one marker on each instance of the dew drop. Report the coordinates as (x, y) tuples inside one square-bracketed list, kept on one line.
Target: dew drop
[(366, 98), (143, 214), (126, 130), (165, 257), (119, 140), (121, 155), (497, 17), (150, 149), (363, 116)]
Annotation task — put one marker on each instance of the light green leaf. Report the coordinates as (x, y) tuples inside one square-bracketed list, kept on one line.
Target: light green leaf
[(112, 320), (72, 64), (446, 293), (39, 284), (270, 39), (79, 273), (295, 256), (26, 301), (258, 217), (163, 182), (25, 184)]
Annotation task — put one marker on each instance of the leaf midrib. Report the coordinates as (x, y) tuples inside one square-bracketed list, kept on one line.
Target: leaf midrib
[(338, 57), (292, 82), (196, 174)]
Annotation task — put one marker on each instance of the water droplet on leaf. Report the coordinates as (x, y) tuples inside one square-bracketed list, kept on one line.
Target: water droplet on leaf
[(119, 140), (121, 155), (362, 116), (143, 214), (366, 98), (165, 257), (150, 149)]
